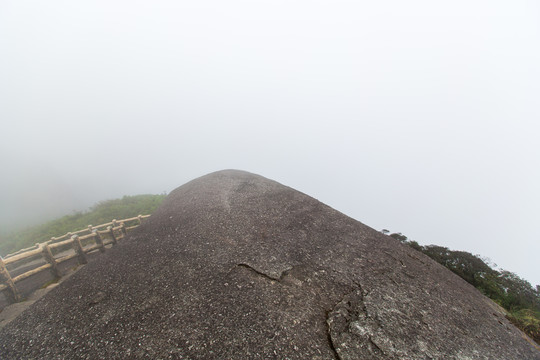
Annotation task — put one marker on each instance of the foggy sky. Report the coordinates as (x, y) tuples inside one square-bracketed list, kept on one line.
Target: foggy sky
[(420, 117)]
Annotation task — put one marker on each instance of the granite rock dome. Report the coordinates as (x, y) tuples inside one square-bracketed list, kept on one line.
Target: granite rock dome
[(236, 266)]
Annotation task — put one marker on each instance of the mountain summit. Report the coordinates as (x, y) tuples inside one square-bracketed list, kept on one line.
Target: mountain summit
[(237, 266)]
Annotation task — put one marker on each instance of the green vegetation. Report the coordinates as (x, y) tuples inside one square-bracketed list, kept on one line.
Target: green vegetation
[(513, 293), (527, 320), (102, 212), (50, 282)]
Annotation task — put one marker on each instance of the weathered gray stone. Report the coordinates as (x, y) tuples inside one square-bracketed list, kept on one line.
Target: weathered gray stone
[(236, 266)]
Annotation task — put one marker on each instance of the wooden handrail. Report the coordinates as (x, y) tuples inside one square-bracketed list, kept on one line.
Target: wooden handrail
[(21, 256), (31, 272), (60, 243), (90, 228), (115, 230), (20, 251)]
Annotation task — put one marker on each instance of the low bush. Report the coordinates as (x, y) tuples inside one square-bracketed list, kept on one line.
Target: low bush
[(102, 212), (527, 320), (514, 294)]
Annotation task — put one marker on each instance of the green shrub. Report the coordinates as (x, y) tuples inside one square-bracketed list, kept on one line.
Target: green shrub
[(102, 212), (527, 320), (507, 289)]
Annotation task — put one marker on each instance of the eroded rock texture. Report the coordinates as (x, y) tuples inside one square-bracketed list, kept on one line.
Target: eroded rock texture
[(236, 266)]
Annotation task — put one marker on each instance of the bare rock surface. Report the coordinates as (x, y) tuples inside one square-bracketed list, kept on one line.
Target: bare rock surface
[(236, 266)]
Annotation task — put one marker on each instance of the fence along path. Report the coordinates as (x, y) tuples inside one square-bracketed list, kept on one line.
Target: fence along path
[(60, 249)]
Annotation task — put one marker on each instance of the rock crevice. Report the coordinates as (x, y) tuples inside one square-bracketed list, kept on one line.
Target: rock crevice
[(352, 329), (270, 275)]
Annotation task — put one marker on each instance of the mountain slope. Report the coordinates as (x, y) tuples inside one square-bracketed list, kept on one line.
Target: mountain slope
[(233, 265)]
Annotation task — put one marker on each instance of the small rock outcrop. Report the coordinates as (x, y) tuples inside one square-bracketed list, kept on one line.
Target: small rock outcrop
[(236, 266)]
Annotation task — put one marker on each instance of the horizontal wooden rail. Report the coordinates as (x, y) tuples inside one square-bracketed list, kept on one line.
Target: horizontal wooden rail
[(91, 248), (21, 251), (31, 272), (66, 258), (84, 237), (61, 243), (95, 239), (21, 256), (131, 219)]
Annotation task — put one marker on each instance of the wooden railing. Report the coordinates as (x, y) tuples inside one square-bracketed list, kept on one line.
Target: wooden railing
[(60, 249)]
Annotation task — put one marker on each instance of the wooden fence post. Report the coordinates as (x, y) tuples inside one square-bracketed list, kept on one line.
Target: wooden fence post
[(112, 234), (123, 228), (12, 292), (78, 249), (48, 256), (140, 219), (99, 240)]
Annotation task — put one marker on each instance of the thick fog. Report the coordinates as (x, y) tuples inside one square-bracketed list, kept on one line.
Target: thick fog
[(420, 117)]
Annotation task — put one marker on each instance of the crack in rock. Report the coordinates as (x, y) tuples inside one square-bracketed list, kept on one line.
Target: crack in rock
[(269, 276), (352, 330), (330, 341), (97, 298)]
